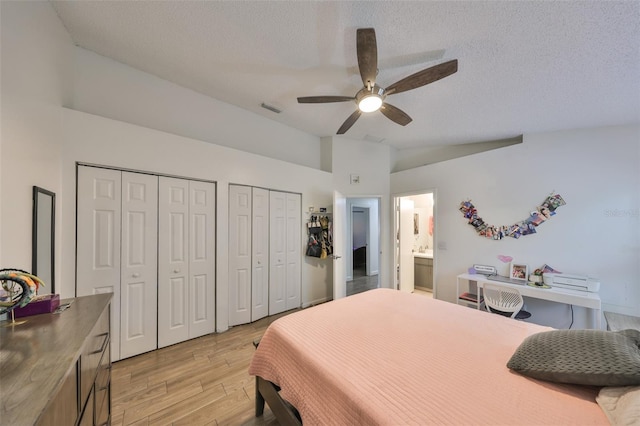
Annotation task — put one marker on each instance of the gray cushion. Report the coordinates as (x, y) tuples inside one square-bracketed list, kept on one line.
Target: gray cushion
[(585, 357)]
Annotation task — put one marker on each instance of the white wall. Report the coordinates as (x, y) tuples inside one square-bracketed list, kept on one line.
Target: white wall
[(36, 80), (110, 89), (97, 140), (370, 161), (597, 172)]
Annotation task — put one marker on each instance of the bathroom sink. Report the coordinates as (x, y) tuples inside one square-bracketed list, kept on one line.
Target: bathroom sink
[(428, 254)]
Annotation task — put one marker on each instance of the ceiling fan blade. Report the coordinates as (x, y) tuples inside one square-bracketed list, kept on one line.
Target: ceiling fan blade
[(395, 114), (423, 77), (323, 99), (349, 122), (367, 55)]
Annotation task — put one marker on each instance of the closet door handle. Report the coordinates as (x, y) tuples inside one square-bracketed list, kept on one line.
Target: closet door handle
[(175, 271), (135, 275)]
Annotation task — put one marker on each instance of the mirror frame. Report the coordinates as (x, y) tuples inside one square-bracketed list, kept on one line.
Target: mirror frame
[(43, 228)]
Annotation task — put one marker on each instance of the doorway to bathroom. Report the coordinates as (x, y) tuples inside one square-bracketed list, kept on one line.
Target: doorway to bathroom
[(414, 254)]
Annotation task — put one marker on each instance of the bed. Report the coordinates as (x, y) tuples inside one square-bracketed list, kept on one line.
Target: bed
[(388, 357)]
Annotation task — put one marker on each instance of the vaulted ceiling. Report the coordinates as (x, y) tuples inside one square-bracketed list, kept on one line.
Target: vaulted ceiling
[(523, 66)]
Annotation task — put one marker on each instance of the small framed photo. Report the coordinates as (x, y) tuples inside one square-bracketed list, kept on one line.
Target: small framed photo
[(518, 271)]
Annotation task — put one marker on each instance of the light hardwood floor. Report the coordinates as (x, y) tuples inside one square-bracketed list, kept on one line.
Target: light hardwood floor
[(204, 381)]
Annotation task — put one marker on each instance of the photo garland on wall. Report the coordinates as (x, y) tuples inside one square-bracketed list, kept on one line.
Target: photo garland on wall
[(528, 226)]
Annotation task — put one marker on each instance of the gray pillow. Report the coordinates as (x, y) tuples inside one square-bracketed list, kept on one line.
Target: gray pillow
[(584, 357)]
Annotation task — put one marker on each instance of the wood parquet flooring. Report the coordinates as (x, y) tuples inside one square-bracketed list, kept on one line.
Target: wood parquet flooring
[(204, 381)]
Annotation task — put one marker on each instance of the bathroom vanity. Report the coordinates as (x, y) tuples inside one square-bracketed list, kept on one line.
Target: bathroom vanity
[(423, 269)]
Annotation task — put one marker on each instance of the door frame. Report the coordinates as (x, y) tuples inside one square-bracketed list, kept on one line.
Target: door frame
[(366, 203), (395, 201), (367, 212)]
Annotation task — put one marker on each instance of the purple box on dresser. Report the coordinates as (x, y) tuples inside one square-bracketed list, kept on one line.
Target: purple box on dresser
[(44, 304)]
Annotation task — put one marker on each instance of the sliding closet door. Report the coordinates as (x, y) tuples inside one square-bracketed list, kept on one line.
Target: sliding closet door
[(293, 225), (260, 255), (240, 214), (202, 258), (277, 252), (139, 267), (98, 240), (173, 261)]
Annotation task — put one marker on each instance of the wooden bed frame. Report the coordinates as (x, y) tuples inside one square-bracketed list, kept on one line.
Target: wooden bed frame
[(267, 392)]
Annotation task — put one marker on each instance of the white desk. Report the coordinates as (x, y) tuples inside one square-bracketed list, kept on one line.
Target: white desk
[(554, 294)]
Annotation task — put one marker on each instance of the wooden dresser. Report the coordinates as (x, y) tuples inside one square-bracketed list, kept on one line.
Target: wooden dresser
[(55, 369)]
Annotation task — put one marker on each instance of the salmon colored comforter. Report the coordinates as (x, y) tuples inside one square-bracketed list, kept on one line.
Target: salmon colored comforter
[(391, 358)]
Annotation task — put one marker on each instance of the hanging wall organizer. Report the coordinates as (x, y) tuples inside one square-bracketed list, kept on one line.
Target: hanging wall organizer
[(527, 226), (320, 241)]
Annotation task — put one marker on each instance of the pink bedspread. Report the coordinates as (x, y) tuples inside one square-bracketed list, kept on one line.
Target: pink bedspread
[(392, 358)]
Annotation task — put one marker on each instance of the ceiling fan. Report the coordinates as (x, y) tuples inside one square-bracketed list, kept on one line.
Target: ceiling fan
[(372, 97)]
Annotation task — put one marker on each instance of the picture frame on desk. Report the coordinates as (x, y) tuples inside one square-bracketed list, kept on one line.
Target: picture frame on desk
[(518, 271)]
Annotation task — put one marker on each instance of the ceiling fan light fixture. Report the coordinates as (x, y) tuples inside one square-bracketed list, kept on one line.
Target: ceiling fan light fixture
[(370, 103), (370, 100), (372, 97)]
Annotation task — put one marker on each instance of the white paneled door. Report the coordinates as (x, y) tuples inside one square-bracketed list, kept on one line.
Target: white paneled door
[(284, 252), (186, 253), (173, 261), (264, 253), (406, 245), (202, 258), (98, 239), (277, 252), (139, 267), (151, 241), (260, 254), (293, 244), (339, 245), (240, 220)]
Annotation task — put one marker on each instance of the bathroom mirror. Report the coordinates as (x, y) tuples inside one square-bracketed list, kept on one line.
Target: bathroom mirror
[(43, 238)]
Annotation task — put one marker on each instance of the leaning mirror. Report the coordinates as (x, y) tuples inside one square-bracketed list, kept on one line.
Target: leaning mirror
[(43, 237)]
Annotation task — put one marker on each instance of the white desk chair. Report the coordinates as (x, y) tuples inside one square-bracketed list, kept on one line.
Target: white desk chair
[(504, 301)]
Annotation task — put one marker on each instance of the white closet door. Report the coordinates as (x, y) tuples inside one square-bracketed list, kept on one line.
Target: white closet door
[(239, 254), (277, 252), (293, 225), (260, 255), (173, 261), (139, 264), (202, 257), (98, 240)]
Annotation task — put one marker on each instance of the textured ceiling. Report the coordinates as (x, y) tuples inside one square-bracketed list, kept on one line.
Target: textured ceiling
[(523, 66)]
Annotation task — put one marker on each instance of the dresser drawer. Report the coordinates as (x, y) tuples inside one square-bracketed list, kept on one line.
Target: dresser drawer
[(103, 378), (92, 353), (86, 418), (63, 410), (102, 406)]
